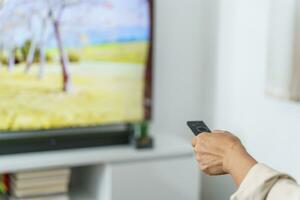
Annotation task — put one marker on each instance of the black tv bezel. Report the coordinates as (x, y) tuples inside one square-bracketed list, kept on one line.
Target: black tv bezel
[(29, 141), (65, 138)]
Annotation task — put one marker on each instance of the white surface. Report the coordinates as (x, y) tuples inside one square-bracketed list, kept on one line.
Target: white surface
[(260, 120), (282, 45), (169, 179), (185, 82), (163, 178), (166, 146), (92, 182), (168, 172), (178, 65), (160, 179), (268, 127), (217, 79)]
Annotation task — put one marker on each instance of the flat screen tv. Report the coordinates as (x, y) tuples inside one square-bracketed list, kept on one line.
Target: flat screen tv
[(73, 73)]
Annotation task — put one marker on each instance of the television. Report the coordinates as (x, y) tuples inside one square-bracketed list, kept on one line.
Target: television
[(73, 73)]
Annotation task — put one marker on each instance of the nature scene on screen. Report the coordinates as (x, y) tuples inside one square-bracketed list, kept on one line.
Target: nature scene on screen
[(72, 63)]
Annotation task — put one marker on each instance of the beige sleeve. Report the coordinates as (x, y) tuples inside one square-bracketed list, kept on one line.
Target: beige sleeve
[(264, 183)]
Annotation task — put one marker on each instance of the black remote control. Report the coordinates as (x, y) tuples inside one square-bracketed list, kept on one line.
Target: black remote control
[(198, 127)]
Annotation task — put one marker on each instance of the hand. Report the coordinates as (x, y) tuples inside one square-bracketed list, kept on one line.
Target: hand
[(221, 152), (212, 150)]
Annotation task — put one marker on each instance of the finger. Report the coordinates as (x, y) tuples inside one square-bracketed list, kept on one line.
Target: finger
[(214, 171), (203, 138), (209, 157), (200, 165), (203, 167), (198, 158), (218, 131), (194, 141), (195, 150), (209, 161)]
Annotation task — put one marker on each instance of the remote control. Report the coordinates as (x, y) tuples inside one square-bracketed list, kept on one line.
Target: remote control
[(198, 127)]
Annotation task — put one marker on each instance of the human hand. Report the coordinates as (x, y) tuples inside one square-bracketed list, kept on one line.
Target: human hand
[(220, 152)]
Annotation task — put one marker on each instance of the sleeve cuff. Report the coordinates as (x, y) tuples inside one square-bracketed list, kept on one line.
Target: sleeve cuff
[(257, 183)]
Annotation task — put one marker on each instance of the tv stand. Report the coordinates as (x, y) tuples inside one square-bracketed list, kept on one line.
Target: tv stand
[(168, 171)]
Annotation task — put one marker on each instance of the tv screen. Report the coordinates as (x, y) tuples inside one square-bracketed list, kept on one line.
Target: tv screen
[(74, 63)]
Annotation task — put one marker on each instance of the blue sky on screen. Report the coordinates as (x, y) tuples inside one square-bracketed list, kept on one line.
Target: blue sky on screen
[(107, 21), (89, 22)]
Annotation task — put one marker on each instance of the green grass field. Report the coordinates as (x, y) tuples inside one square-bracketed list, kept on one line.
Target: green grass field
[(102, 93)]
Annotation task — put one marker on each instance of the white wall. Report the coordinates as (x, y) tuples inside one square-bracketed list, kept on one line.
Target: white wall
[(217, 89), (210, 60), (270, 128), (178, 50), (185, 66), (185, 49)]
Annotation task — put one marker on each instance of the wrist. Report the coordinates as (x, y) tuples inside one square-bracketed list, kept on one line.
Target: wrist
[(239, 163), (234, 154)]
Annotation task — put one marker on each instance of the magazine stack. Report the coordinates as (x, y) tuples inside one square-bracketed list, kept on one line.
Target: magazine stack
[(50, 184)]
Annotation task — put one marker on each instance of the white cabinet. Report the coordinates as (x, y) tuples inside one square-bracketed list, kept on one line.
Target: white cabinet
[(167, 172)]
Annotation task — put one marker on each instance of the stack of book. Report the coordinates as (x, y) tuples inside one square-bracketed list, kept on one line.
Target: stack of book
[(50, 184)]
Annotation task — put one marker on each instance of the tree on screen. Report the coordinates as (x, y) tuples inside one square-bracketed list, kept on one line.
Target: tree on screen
[(38, 25), (37, 44), (56, 11), (42, 47), (32, 48), (11, 24), (13, 21), (29, 26)]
